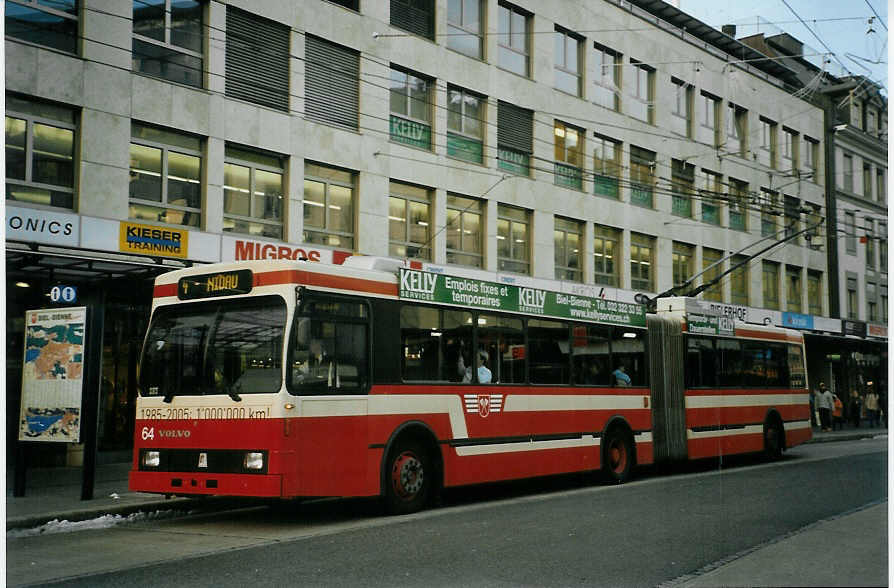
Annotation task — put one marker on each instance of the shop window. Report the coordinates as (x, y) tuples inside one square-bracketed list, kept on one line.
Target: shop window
[(50, 24), (409, 221), (40, 140), (738, 212), (607, 80), (465, 27), (606, 252), (165, 176), (606, 166), (169, 40), (515, 136), (410, 100), (465, 217), (329, 206), (513, 239), (569, 155), (465, 125), (567, 237), (513, 41), (567, 61), (642, 254), (712, 267), (771, 285), (682, 186), (332, 83), (642, 177), (253, 193), (257, 58)]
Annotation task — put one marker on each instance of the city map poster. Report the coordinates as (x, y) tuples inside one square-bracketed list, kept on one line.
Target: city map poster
[(52, 375)]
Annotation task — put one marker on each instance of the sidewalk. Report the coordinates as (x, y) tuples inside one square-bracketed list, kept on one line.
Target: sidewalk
[(55, 493)]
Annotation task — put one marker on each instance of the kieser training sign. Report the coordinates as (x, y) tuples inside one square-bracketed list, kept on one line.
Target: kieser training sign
[(152, 240), (52, 375), (471, 293)]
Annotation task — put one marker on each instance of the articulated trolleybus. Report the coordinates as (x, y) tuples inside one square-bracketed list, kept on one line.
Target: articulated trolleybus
[(374, 378)]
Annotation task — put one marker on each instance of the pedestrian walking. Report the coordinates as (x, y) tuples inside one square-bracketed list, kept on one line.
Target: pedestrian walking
[(854, 406), (825, 403), (871, 404), (837, 413)]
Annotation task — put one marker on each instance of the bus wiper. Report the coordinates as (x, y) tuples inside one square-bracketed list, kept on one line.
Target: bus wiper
[(169, 396), (233, 390)]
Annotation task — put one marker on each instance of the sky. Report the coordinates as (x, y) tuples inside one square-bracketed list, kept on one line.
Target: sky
[(839, 26)]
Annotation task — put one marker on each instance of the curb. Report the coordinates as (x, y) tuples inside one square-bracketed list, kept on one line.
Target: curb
[(847, 437)]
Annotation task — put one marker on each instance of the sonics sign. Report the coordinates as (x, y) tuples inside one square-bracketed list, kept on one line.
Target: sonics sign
[(470, 293)]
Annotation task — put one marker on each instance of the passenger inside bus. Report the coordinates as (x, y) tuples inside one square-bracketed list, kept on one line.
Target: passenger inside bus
[(484, 374), (621, 378)]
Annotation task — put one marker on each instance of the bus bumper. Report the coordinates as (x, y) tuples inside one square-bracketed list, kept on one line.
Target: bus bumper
[(264, 485)]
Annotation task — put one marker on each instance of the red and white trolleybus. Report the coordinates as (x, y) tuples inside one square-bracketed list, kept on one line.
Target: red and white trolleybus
[(298, 379)]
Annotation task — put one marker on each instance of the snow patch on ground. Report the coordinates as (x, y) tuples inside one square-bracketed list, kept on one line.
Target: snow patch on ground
[(104, 522)]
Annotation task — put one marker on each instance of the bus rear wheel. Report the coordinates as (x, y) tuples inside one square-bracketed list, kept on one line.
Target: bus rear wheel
[(408, 479), (774, 440), (618, 456)]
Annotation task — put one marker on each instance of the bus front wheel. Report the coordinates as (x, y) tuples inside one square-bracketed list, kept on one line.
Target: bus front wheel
[(618, 456), (408, 479)]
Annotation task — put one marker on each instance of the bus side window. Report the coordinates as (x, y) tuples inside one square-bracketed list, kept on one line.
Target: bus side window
[(701, 365), (548, 345), (591, 355), (729, 353), (628, 347), (796, 373), (503, 339), (436, 344)]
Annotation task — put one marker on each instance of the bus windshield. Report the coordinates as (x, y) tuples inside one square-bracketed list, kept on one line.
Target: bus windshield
[(228, 347)]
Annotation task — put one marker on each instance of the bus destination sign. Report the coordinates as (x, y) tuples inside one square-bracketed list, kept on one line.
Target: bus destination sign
[(471, 293), (217, 284)]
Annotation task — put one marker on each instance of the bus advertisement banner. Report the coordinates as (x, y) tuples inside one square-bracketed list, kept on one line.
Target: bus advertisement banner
[(485, 295), (52, 375)]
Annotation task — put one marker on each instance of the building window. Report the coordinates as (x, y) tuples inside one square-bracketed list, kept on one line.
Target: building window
[(789, 149), (736, 130), (257, 59), (883, 303), (738, 194), (465, 27), (771, 285), (410, 103), (331, 87), (40, 141), (253, 193), (681, 112), (515, 136), (51, 24), (792, 218), (642, 248), (328, 206), (847, 178), (569, 155), (852, 312), (513, 239), (682, 186), (642, 106), (165, 176), (464, 231), (871, 302), (513, 45), (682, 257), (567, 61), (811, 156), (850, 233), (814, 293), (767, 151), (464, 125), (883, 247), (606, 166), (409, 221), (711, 194), (739, 280), (769, 212), (880, 186), (708, 119), (607, 67), (567, 236), (870, 121), (869, 228), (606, 249), (867, 181), (642, 177), (711, 258), (349, 4), (793, 288), (169, 40), (415, 16)]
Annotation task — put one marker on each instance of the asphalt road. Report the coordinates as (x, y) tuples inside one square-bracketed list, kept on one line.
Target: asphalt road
[(560, 532)]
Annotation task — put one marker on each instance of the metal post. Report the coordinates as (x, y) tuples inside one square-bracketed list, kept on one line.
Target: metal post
[(92, 388)]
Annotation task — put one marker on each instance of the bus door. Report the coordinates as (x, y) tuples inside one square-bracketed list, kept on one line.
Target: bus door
[(666, 363)]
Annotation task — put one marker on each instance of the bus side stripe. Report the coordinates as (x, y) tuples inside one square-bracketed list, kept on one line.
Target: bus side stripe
[(740, 400)]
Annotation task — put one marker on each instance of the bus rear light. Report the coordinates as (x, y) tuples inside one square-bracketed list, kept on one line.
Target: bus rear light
[(254, 460), (151, 459)]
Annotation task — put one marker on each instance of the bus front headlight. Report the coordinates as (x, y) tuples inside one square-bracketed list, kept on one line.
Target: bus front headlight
[(254, 460), (151, 459)]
